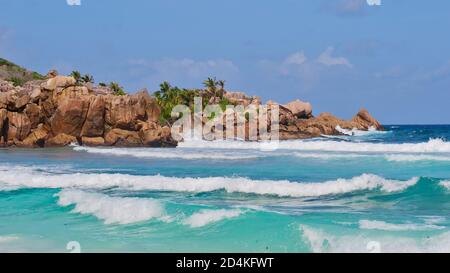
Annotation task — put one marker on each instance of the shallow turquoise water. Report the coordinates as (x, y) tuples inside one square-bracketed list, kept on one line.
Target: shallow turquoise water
[(371, 192)]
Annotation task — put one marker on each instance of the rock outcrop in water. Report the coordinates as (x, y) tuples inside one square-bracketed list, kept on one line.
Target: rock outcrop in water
[(53, 111), (297, 122), (58, 112)]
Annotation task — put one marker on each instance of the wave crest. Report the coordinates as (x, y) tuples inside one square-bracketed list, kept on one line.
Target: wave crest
[(112, 210), (381, 225), (432, 146), (282, 188), (206, 217), (165, 153), (319, 241)]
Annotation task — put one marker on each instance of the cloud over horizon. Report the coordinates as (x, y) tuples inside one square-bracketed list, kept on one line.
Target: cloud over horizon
[(186, 71), (327, 59), (298, 64)]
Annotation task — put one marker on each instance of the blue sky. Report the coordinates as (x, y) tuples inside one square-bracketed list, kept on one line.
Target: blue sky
[(340, 55)]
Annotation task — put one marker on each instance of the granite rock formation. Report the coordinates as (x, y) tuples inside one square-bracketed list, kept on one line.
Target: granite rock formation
[(58, 111)]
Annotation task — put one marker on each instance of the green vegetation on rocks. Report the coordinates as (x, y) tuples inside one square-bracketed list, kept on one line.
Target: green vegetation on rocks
[(169, 96), (18, 75)]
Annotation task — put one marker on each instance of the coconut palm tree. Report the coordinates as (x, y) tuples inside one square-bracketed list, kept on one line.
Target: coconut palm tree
[(221, 84), (76, 75), (165, 88), (211, 85), (117, 89), (87, 78)]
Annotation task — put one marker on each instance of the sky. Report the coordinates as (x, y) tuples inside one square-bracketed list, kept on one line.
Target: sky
[(391, 57)]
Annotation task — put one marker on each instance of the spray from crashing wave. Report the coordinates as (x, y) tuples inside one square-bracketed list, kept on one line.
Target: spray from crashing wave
[(167, 153), (432, 146), (112, 210), (282, 188), (207, 216), (319, 241)]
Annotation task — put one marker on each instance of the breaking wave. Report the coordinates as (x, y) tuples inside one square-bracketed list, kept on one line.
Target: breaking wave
[(165, 153), (283, 188), (357, 133), (112, 210), (206, 217), (381, 225), (432, 146), (328, 156), (445, 184), (413, 158), (320, 241)]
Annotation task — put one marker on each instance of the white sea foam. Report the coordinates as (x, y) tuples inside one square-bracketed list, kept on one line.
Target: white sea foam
[(381, 225), (112, 210), (389, 157), (320, 241), (356, 132), (7, 239), (445, 184), (413, 158), (31, 179), (6, 187), (433, 219), (166, 153), (206, 217), (432, 146), (328, 155)]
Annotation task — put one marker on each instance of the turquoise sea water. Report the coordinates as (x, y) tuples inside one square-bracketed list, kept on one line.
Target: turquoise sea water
[(377, 191)]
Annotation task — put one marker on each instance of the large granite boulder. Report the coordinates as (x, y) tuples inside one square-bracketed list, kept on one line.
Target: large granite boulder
[(125, 112), (19, 126), (364, 120), (93, 141), (37, 138), (121, 137), (240, 98), (59, 82), (33, 112), (154, 135), (300, 109), (6, 86), (61, 140), (70, 115), (3, 125), (94, 125)]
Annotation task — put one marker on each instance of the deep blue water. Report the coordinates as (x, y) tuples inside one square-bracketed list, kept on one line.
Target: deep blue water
[(377, 191)]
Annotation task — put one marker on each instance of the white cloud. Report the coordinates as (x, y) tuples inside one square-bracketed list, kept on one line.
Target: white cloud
[(345, 7), (374, 2), (309, 70), (327, 59), (297, 58), (73, 2)]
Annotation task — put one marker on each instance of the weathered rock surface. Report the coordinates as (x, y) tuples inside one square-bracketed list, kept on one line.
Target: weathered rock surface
[(300, 109), (94, 125), (364, 120), (59, 81), (241, 98), (93, 141), (121, 137), (19, 126), (58, 111), (61, 140)]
